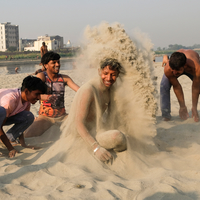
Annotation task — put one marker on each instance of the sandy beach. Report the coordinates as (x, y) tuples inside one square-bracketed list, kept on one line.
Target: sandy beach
[(171, 173), (162, 159)]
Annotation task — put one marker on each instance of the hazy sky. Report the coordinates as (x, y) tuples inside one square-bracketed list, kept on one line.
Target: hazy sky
[(165, 21)]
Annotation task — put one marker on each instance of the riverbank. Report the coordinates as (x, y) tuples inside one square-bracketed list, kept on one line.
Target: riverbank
[(29, 61)]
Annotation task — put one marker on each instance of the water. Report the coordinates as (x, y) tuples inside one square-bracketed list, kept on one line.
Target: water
[(31, 68), (159, 59)]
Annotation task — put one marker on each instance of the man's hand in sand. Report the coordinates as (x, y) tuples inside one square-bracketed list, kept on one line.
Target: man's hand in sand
[(12, 153), (183, 113), (103, 155), (195, 115)]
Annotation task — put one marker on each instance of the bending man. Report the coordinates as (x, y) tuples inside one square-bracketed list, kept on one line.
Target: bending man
[(180, 62)]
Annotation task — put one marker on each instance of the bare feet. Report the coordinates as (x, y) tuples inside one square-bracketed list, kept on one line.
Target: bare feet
[(12, 153)]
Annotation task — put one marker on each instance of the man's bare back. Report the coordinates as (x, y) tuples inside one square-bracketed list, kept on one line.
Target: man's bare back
[(192, 65)]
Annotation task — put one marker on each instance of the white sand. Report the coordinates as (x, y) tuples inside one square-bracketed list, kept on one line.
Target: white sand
[(171, 173), (162, 160)]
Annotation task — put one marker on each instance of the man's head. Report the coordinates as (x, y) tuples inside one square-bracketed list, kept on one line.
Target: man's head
[(177, 62), (43, 43), (32, 87), (109, 71), (51, 61)]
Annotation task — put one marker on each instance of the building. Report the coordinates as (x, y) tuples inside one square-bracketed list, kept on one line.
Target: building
[(26, 44), (9, 36), (52, 42), (69, 43)]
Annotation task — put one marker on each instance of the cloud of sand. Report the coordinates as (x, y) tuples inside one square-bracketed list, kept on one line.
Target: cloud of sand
[(134, 94), (133, 101)]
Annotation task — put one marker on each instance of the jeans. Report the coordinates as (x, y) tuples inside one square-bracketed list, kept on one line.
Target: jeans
[(165, 87), (21, 122)]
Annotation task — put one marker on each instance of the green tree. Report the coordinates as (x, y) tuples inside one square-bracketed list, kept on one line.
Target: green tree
[(159, 49), (12, 48)]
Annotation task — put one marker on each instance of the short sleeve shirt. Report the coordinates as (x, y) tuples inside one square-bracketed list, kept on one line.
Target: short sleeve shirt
[(11, 100)]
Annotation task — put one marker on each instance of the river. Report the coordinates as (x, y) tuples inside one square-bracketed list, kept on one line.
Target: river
[(31, 68)]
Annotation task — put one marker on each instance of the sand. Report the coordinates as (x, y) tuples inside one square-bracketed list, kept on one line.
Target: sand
[(171, 173), (162, 159)]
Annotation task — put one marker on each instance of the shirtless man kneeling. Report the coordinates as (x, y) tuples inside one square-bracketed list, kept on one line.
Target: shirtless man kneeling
[(90, 104)]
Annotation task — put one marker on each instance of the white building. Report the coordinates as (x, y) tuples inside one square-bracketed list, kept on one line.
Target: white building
[(9, 36), (26, 44), (29, 48), (69, 43), (52, 42)]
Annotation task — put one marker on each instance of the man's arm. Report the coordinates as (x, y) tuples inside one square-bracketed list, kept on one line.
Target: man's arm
[(41, 51), (28, 107), (70, 83), (195, 94), (6, 142), (165, 60), (43, 97), (46, 49), (84, 106), (195, 97), (183, 113)]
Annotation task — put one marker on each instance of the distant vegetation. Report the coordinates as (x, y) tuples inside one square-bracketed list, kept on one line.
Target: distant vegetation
[(174, 47), (33, 55), (12, 49)]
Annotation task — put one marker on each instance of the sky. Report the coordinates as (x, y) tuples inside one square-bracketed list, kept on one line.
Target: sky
[(164, 21)]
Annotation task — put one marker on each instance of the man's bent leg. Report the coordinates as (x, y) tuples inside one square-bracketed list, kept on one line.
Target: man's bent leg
[(112, 139), (165, 104), (22, 121), (2, 115), (39, 126), (3, 136)]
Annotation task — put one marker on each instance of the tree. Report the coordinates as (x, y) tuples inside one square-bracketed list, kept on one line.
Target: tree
[(159, 49), (12, 48)]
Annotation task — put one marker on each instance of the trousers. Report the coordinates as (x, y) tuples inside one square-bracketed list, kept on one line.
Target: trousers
[(21, 122), (165, 87)]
